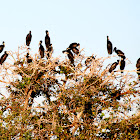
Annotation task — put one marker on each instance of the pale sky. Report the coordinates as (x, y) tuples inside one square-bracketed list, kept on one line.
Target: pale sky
[(87, 22)]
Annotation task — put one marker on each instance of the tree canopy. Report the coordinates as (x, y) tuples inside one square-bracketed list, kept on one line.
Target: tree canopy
[(81, 101)]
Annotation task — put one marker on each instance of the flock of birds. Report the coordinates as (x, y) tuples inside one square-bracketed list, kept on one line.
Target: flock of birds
[(49, 48), (5, 55), (119, 53), (73, 48), (122, 56)]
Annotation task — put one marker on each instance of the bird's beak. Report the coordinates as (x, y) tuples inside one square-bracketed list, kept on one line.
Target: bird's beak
[(7, 52), (65, 52)]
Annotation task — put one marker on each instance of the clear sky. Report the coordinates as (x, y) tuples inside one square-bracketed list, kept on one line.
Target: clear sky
[(85, 21)]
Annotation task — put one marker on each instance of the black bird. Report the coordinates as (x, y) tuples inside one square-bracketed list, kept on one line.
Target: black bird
[(28, 38), (113, 66), (41, 49), (29, 59), (138, 67), (122, 64), (109, 46), (3, 57), (49, 51), (47, 39), (89, 60), (2, 46), (73, 47), (119, 53), (70, 55)]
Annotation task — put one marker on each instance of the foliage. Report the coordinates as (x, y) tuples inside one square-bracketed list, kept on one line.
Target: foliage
[(81, 102)]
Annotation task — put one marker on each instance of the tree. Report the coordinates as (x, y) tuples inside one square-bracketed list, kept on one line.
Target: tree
[(81, 102)]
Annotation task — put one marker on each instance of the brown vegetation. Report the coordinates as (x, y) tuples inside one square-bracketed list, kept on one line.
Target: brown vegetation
[(81, 102)]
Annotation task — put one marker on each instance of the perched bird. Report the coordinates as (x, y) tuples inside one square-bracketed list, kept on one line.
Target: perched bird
[(119, 53), (28, 38), (113, 66), (47, 39), (138, 67), (122, 64), (70, 55), (73, 47), (2, 46), (41, 49), (89, 60), (49, 51), (3, 57), (109, 46), (29, 59)]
